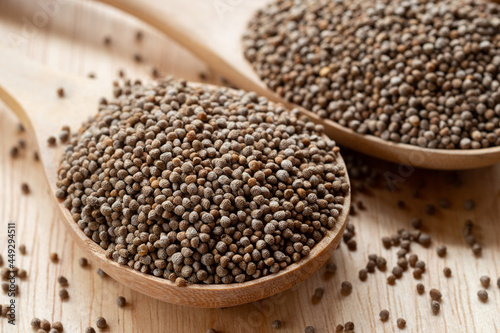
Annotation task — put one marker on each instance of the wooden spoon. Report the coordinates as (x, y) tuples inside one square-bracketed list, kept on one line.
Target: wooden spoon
[(213, 29), (30, 90)]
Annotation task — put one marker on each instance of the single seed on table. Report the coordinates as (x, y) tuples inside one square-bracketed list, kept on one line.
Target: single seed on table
[(477, 249), (137, 57), (444, 203), (469, 204), (20, 127), (35, 156), (63, 294), (430, 209), (397, 272), (60, 92), (420, 264), (45, 325), (435, 306), (384, 315), (22, 249), (54, 257), (372, 257), (331, 268), (483, 295), (401, 204), (62, 281), (14, 152), (276, 324), (391, 279), (387, 242), (417, 273), (351, 244), (346, 287), (381, 263), (121, 301), (83, 262), (435, 294), (420, 288), (416, 223), (401, 323), (101, 273), (370, 266), (25, 188), (51, 140), (101, 323), (89, 330), (339, 328), (447, 271), (319, 292), (403, 263), (138, 36), (412, 259), (441, 250), (22, 274), (35, 323), (58, 326), (363, 274), (107, 40), (485, 281), (349, 326), (424, 240), (5, 287), (309, 329)]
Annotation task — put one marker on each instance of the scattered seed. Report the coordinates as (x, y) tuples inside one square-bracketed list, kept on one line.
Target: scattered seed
[(403, 263), (83, 262), (384, 315), (391, 279), (22, 247), (20, 128), (63, 282), (22, 274), (331, 268), (469, 204), (381, 263), (276, 324), (420, 288), (91, 75), (397, 272), (45, 325), (35, 156), (14, 152), (424, 239), (138, 36), (485, 281), (401, 204), (339, 328), (5, 287), (435, 306), (412, 259), (35, 323), (441, 250), (60, 92), (417, 273), (363, 274), (387, 242), (435, 294), (346, 287), (51, 141), (101, 273), (101, 323), (137, 57), (63, 294), (54, 257), (89, 330), (447, 271), (25, 188), (121, 301), (351, 244), (483, 295), (401, 323), (319, 292), (420, 264), (58, 326), (349, 326), (477, 249), (107, 41), (430, 209), (370, 266), (309, 329), (416, 223)]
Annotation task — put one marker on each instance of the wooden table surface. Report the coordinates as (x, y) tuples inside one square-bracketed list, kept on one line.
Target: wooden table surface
[(70, 38)]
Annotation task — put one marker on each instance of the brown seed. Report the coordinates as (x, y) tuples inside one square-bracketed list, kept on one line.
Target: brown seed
[(346, 287), (397, 272), (339, 328), (435, 306), (54, 257), (22, 249), (391, 279), (424, 239), (483, 295), (22, 274), (349, 326), (420, 288), (51, 140), (63, 294), (180, 282), (319, 292), (420, 264), (435, 294), (60, 92), (25, 188), (63, 282), (331, 268), (309, 329), (381, 263), (45, 325), (137, 57), (384, 315), (107, 41), (363, 274), (416, 223), (101, 273), (441, 250), (401, 323), (58, 326), (101, 323), (485, 281), (138, 36), (91, 75), (83, 262), (447, 271), (35, 156), (498, 282), (276, 324), (121, 301), (89, 330), (20, 127), (430, 209), (14, 152), (351, 244), (35, 323), (469, 204), (477, 249), (417, 273), (412, 259), (387, 242)]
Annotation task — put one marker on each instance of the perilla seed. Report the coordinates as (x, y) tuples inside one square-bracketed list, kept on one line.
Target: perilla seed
[(89, 330), (25, 189), (447, 271), (121, 301), (276, 324), (63, 282), (401, 323), (58, 326), (420, 288), (45, 325), (346, 287), (435, 294), (485, 281), (63, 294), (101, 323), (349, 326), (54, 257), (83, 262), (441, 250), (384, 315), (482, 295), (60, 93), (435, 306), (22, 248), (309, 329)]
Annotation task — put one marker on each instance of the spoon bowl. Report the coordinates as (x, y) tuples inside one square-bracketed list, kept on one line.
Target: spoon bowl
[(213, 30), (30, 89)]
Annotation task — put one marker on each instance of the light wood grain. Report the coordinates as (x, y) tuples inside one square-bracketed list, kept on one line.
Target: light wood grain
[(213, 30), (73, 43)]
